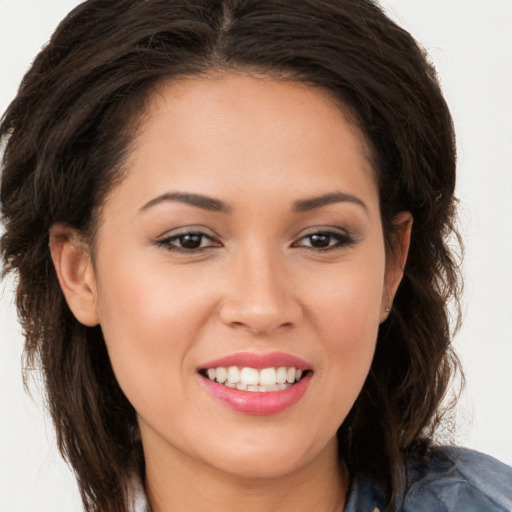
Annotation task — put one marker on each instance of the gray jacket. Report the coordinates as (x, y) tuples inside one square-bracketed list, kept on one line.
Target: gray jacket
[(450, 480)]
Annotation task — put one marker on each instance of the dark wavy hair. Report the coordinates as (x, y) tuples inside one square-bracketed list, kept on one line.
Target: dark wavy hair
[(71, 125)]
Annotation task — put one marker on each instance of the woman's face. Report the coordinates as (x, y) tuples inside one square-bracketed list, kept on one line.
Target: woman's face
[(246, 236)]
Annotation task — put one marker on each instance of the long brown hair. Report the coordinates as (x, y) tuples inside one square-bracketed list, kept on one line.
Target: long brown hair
[(69, 128)]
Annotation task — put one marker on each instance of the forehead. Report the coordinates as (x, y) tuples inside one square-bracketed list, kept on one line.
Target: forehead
[(216, 135), (224, 103)]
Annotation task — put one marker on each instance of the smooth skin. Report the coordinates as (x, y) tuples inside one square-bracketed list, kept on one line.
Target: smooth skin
[(216, 242)]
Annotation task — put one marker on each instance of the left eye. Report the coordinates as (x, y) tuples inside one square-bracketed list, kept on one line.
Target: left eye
[(324, 240)]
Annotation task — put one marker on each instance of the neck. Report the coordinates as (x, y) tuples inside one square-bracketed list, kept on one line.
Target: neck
[(179, 484)]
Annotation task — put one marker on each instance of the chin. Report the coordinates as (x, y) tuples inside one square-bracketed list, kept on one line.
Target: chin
[(261, 467), (274, 459)]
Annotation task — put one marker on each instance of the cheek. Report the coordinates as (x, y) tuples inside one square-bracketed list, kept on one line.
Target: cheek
[(148, 328), (347, 318), (350, 334), (347, 300), (153, 316)]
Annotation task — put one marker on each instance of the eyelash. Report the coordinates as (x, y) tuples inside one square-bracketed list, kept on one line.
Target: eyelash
[(167, 242), (341, 240)]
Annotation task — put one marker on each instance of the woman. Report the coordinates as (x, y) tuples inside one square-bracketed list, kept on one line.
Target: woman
[(229, 223)]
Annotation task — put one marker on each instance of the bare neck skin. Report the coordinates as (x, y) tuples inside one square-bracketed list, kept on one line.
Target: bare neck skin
[(179, 484)]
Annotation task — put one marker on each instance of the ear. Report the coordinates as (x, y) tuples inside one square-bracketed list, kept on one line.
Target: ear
[(72, 260), (396, 258)]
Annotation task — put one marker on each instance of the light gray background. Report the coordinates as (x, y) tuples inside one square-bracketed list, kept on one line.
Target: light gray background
[(470, 41)]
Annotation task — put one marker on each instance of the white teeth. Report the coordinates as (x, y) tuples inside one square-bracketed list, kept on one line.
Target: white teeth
[(281, 375), (222, 375), (252, 379), (250, 376), (233, 375), (267, 377)]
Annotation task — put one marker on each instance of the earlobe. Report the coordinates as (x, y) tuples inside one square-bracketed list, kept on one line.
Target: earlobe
[(72, 261), (396, 260)]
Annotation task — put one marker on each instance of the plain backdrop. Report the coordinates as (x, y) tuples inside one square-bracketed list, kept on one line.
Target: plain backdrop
[(470, 42)]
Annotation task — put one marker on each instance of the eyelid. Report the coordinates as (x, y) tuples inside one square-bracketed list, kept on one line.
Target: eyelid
[(166, 238), (188, 229), (345, 239)]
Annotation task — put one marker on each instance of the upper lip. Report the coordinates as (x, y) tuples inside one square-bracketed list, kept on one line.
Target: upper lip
[(258, 361)]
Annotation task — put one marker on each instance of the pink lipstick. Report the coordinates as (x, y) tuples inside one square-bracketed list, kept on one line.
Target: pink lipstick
[(257, 384), (253, 360)]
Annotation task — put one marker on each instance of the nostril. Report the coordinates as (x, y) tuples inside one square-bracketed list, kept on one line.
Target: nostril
[(261, 307), (254, 320)]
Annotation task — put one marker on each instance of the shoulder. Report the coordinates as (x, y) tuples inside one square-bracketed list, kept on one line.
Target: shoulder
[(452, 479)]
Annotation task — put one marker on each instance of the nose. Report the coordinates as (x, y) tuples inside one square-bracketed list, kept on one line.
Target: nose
[(261, 297)]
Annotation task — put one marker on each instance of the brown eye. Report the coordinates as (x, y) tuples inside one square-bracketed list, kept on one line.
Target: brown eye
[(325, 240), (320, 240), (188, 242)]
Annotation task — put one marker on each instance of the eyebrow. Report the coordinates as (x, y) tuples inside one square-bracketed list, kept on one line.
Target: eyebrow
[(215, 205), (198, 200), (312, 203)]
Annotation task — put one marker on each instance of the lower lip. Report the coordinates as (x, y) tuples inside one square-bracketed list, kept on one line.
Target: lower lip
[(256, 402)]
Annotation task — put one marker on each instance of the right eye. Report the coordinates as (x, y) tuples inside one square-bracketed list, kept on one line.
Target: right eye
[(188, 242)]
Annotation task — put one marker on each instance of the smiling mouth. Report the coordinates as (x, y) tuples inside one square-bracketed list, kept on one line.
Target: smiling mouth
[(255, 380)]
